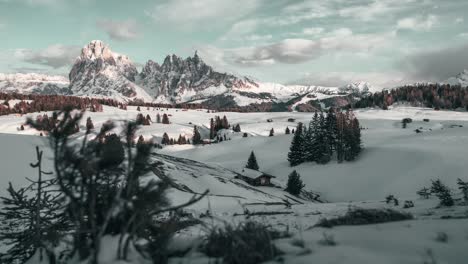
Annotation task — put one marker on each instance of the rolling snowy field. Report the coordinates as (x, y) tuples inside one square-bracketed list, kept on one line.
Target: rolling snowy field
[(394, 161)]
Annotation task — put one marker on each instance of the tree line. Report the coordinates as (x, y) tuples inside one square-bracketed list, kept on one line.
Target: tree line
[(437, 96), (337, 132)]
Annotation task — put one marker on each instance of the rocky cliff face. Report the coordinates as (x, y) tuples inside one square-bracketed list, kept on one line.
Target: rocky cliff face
[(177, 77), (100, 72)]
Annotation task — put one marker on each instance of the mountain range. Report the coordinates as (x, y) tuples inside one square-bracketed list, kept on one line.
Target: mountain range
[(100, 72)]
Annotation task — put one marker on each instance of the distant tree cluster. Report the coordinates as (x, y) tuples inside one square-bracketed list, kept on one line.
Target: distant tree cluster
[(48, 124), (337, 132), (181, 140), (437, 96), (37, 103), (217, 124), (443, 192)]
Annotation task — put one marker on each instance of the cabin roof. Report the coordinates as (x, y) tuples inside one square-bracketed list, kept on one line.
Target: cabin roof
[(254, 174)]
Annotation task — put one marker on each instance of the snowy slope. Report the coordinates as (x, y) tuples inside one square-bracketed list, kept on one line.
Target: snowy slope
[(395, 161)]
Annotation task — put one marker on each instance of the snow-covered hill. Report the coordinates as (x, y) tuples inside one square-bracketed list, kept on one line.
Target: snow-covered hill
[(394, 161)]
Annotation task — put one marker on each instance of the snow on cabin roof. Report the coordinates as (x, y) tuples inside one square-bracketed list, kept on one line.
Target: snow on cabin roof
[(253, 174)]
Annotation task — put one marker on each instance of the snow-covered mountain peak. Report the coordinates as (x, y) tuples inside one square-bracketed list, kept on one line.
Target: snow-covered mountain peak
[(460, 79), (32, 77), (100, 72), (28, 83), (96, 49), (360, 87)]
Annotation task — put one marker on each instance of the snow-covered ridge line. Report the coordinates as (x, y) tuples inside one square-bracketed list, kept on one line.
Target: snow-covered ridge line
[(33, 77)]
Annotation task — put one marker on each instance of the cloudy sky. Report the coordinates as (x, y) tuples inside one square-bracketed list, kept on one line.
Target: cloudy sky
[(323, 42)]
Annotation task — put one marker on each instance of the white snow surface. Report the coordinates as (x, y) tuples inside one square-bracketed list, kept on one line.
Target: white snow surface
[(394, 161)]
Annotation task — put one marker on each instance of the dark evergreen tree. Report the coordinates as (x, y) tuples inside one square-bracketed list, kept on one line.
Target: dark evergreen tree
[(296, 151), (442, 192), (252, 162), (237, 128), (165, 119), (212, 129), (287, 131), (89, 124), (463, 187), (32, 220), (294, 185), (332, 130), (138, 108), (321, 138), (110, 199), (311, 142), (141, 140), (272, 132), (158, 118), (165, 139), (424, 193), (21, 127), (140, 119), (196, 139)]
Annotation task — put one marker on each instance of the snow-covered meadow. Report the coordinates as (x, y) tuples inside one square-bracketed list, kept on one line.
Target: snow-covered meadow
[(394, 161)]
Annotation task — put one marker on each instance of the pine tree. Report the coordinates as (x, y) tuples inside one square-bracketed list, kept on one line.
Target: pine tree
[(296, 153), (272, 132), (294, 185), (138, 108), (311, 140), (165, 139), (356, 146), (212, 129), (21, 127), (321, 137), (252, 162), (287, 131), (158, 118), (196, 139), (89, 124), (141, 140), (237, 128), (463, 187), (32, 220), (165, 119), (140, 119), (424, 193), (442, 192), (110, 199), (340, 140), (332, 130)]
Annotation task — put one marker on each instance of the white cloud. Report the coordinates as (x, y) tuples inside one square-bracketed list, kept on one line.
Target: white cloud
[(312, 30), (299, 50), (418, 23), (120, 30), (377, 80), (368, 12), (55, 56), (459, 20), (436, 64), (193, 13)]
